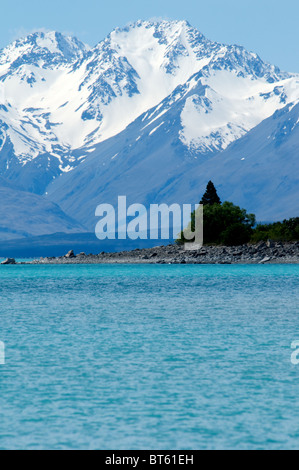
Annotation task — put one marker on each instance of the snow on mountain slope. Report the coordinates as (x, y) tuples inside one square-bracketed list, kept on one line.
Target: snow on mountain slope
[(153, 111), (28, 69), (231, 106), (58, 96), (137, 67), (260, 171), (42, 49)]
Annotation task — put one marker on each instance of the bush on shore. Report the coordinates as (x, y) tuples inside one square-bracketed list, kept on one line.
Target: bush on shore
[(285, 231), (224, 224), (228, 224)]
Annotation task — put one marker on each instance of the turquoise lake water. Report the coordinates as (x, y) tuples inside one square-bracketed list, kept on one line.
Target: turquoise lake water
[(149, 357)]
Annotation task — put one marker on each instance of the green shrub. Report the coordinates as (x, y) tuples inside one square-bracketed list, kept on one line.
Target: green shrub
[(236, 234), (225, 224), (288, 230)]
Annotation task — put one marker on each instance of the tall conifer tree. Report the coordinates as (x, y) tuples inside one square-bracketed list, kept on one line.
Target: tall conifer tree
[(210, 197)]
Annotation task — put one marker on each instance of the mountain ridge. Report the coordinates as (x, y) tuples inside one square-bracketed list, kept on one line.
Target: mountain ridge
[(100, 82), (69, 112)]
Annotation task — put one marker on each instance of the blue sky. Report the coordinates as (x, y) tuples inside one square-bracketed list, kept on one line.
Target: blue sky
[(268, 27)]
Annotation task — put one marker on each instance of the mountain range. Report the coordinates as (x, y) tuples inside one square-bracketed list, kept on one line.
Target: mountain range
[(152, 112)]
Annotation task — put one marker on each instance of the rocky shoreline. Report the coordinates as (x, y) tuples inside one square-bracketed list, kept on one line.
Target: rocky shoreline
[(261, 253)]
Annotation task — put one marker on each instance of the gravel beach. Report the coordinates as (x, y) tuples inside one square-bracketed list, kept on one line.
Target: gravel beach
[(261, 253)]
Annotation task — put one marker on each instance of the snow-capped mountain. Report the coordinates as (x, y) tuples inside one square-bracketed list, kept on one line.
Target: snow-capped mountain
[(150, 164), (45, 50), (58, 96), (152, 103)]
